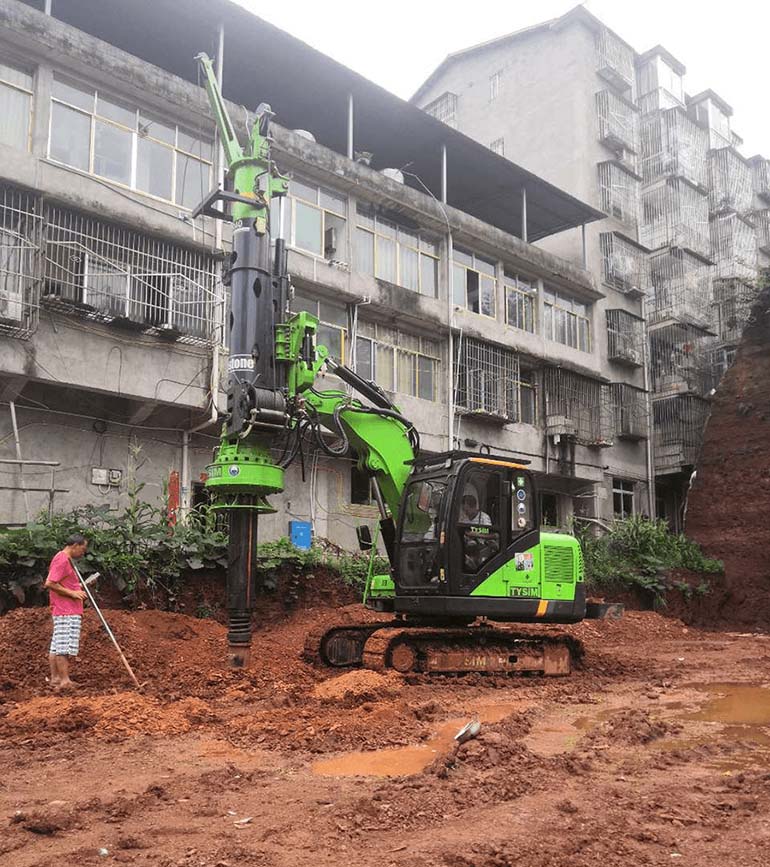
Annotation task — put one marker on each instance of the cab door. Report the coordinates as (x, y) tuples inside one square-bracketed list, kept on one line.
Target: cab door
[(478, 525), (420, 550)]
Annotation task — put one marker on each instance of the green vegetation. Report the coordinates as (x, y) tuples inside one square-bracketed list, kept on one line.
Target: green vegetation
[(639, 554), (137, 549)]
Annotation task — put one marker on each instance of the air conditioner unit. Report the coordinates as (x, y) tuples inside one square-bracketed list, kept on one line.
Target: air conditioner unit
[(561, 425)]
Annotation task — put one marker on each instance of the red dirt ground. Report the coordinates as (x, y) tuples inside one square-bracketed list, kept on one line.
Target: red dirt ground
[(211, 768)]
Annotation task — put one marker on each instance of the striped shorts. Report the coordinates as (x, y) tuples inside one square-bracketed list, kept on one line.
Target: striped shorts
[(65, 640)]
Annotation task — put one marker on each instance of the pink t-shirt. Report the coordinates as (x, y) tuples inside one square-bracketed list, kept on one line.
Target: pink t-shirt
[(61, 572)]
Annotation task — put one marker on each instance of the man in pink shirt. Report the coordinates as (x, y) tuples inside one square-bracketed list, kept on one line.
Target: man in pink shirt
[(67, 609)]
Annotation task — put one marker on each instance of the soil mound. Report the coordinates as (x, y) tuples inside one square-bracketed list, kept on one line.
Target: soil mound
[(359, 685)]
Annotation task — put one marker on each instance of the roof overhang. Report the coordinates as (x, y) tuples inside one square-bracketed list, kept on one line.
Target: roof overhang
[(309, 90)]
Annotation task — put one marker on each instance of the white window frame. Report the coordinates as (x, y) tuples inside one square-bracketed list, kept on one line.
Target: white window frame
[(427, 248), (314, 307), (623, 488), (92, 114), (527, 291), (397, 352), (29, 92), (475, 259), (325, 211), (563, 305)]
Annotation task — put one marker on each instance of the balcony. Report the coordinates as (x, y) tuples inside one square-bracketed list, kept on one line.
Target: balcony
[(682, 289), (762, 222), (675, 214), (619, 192), (615, 59), (113, 275), (733, 300), (625, 338), (679, 424), (629, 410), (672, 145), (488, 376), (679, 361), (21, 262), (731, 187), (577, 408), (625, 265), (618, 122), (760, 173), (733, 248)]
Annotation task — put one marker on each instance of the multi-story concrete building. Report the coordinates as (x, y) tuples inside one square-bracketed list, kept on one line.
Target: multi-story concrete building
[(411, 241), (576, 104)]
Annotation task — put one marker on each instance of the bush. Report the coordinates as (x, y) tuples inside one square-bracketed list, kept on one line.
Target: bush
[(640, 553), (137, 548)]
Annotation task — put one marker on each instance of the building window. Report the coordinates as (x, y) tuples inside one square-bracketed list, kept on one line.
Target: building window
[(491, 382), (566, 321), (15, 106), (498, 146), (395, 253), (398, 361), (136, 149), (444, 108), (318, 219), (360, 486), (332, 323), (110, 273), (623, 498), (494, 85), (520, 298), (549, 509), (474, 283)]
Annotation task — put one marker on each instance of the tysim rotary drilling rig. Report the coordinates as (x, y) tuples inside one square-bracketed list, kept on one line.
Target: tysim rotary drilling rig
[(461, 530)]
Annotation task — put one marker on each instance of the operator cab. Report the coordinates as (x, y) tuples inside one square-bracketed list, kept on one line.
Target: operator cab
[(463, 516)]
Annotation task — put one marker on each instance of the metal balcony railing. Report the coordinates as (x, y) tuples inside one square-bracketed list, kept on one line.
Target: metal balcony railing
[(681, 288), (673, 145), (675, 214), (625, 338), (116, 275), (629, 410), (618, 122), (733, 300), (760, 172), (625, 264), (615, 59), (731, 187), (619, 191), (733, 248), (21, 233), (679, 423), (679, 362), (762, 222)]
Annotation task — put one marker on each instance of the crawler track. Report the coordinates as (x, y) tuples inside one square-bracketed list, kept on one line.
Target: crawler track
[(442, 650)]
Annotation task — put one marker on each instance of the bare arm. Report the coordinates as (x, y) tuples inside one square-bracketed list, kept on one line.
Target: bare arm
[(63, 591)]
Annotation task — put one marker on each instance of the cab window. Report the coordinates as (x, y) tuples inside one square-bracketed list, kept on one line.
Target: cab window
[(478, 520)]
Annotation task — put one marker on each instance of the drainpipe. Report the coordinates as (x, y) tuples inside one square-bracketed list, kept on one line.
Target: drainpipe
[(450, 342), (650, 424)]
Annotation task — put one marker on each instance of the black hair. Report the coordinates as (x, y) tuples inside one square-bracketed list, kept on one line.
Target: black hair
[(76, 539)]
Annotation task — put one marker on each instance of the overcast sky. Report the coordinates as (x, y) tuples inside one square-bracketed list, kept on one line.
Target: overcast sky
[(398, 44)]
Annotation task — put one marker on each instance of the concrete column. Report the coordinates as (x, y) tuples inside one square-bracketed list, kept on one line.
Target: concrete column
[(41, 111), (443, 174), (47, 9), (350, 126), (524, 234)]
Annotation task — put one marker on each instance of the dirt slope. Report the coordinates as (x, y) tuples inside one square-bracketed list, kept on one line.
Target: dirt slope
[(728, 509)]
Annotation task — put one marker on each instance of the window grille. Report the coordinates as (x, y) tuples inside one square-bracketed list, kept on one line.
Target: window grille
[(733, 300), (625, 264), (733, 247), (618, 121), (444, 108), (679, 359), (673, 145), (490, 382), (615, 60), (731, 182), (21, 261), (675, 214), (577, 407), (760, 171), (625, 338), (682, 288), (619, 192), (629, 411), (679, 423), (762, 222), (113, 274)]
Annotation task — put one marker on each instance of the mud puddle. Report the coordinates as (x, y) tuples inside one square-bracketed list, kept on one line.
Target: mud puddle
[(404, 761), (742, 714)]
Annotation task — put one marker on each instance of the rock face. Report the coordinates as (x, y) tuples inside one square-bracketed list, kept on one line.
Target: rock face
[(728, 510)]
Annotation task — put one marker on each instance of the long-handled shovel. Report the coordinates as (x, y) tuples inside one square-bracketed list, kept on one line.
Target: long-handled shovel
[(107, 629)]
